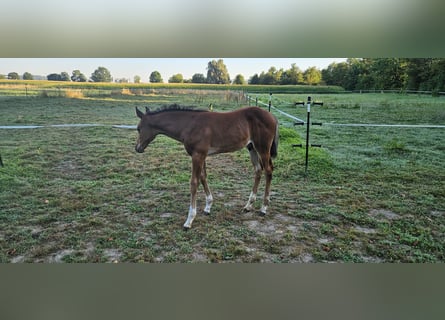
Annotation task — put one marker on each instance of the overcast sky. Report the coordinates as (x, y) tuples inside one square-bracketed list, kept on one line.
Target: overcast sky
[(130, 67)]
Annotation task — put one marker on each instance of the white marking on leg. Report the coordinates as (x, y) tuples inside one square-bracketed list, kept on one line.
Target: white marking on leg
[(250, 202), (191, 216), (265, 205), (209, 201), (263, 209)]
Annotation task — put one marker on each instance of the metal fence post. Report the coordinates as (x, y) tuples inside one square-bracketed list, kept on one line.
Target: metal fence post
[(307, 132)]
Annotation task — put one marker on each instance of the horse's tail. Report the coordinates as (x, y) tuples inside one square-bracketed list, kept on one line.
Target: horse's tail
[(274, 148)]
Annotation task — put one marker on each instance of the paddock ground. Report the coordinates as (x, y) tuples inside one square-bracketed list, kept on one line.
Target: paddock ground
[(81, 194)]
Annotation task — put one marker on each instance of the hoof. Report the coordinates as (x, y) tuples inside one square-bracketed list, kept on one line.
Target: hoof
[(261, 213), (186, 227), (206, 213)]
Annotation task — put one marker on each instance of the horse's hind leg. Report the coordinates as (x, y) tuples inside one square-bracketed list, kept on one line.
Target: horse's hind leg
[(268, 172), (258, 169), (209, 197)]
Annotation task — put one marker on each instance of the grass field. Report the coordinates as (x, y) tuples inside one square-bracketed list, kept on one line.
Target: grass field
[(81, 194)]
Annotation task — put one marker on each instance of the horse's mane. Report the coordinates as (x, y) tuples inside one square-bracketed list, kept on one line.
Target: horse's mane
[(174, 107)]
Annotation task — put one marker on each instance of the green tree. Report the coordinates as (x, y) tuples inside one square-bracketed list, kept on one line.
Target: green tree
[(421, 74), (312, 76), (438, 75), (176, 78), (255, 79), (336, 74), (54, 77), (13, 76), (359, 76), (426, 74), (101, 74), (217, 72), (390, 73), (64, 76), (239, 79), (271, 77), (27, 76), (155, 77), (137, 79), (292, 76), (198, 78), (327, 74), (78, 76)]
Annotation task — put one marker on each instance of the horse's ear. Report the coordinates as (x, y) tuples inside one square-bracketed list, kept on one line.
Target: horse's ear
[(147, 110), (139, 113)]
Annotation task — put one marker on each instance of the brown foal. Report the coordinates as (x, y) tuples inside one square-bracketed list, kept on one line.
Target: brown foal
[(206, 133)]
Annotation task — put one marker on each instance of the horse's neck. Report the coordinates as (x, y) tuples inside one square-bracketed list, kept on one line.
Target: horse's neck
[(167, 125)]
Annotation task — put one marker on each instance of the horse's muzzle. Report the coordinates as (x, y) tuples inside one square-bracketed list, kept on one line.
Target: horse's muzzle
[(139, 148)]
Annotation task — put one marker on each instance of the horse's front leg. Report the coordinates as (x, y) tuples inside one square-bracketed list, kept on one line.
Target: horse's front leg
[(253, 193), (197, 165)]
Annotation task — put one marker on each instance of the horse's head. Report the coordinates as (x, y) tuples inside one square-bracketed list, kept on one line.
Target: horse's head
[(146, 132)]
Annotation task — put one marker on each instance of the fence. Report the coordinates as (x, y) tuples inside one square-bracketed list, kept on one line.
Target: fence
[(298, 121)]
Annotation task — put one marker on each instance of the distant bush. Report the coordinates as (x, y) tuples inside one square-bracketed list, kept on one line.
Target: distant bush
[(62, 93), (137, 91), (45, 94), (234, 96), (73, 94), (121, 92)]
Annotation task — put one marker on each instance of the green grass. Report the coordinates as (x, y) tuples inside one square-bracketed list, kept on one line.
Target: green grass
[(83, 195)]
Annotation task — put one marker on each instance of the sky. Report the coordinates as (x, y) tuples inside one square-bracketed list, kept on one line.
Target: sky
[(130, 67)]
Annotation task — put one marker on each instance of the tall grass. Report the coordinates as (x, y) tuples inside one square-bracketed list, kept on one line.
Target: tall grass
[(171, 86)]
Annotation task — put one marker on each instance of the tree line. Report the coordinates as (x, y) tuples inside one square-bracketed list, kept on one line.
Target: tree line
[(417, 74), (217, 73)]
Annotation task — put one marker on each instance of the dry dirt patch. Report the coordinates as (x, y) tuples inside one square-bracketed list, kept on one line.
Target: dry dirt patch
[(383, 214)]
